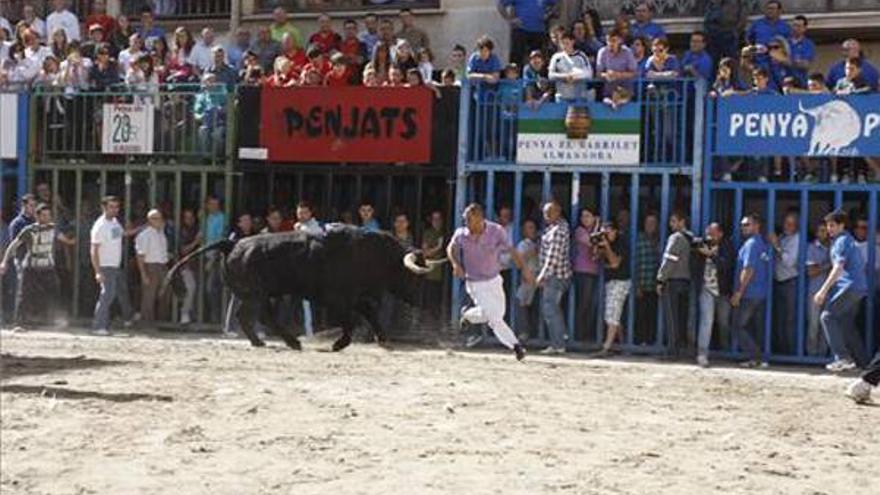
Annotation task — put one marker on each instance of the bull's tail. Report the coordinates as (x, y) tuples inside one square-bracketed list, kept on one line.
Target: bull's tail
[(224, 246)]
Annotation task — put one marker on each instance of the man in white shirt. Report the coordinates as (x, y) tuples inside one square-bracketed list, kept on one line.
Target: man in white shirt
[(570, 69), (37, 25), (106, 256), (130, 54), (306, 222), (151, 246), (63, 19), (202, 55)]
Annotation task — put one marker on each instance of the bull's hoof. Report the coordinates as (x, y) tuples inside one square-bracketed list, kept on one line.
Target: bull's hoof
[(341, 343)]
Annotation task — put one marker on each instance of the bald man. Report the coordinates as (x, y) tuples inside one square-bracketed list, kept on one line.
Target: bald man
[(151, 246)]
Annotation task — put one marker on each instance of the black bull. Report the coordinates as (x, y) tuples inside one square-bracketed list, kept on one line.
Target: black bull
[(345, 269)]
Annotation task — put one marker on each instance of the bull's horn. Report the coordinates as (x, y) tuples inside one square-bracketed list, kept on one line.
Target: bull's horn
[(433, 263), (409, 261)]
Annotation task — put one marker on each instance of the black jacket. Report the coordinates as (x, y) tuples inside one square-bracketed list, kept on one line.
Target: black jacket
[(725, 263)]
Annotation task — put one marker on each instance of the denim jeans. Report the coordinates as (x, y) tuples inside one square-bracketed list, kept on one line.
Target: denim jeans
[(750, 325), (785, 317), (713, 309), (112, 288), (838, 320), (551, 309)]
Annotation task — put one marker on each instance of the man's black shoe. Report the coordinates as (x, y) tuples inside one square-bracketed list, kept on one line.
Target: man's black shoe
[(520, 352)]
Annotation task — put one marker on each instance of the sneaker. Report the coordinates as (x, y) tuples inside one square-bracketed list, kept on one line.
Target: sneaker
[(840, 366), (228, 335), (550, 350), (751, 363), (834, 179), (519, 351), (185, 319), (728, 177), (702, 361), (261, 335), (763, 365), (859, 391), (762, 179), (136, 317), (103, 332)]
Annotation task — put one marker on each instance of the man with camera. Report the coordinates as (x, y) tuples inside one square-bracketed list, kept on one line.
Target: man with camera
[(612, 249), (674, 282), (718, 258)]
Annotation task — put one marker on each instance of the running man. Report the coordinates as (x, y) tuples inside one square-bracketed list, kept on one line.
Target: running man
[(38, 290), (473, 252)]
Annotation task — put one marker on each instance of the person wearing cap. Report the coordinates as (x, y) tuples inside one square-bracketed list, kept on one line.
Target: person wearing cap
[(98, 15), (225, 74), (852, 49), (151, 246), (235, 51), (202, 55)]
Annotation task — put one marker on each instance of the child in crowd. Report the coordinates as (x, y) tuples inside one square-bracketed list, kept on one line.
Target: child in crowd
[(725, 79), (852, 82), (537, 85), (312, 77), (339, 75), (449, 78), (510, 93), (395, 77), (369, 78), (816, 84), (426, 64)]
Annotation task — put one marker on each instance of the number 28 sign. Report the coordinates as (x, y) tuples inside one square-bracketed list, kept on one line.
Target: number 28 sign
[(127, 129)]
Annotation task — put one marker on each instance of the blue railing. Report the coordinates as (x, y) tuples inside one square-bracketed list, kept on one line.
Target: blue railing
[(666, 109)]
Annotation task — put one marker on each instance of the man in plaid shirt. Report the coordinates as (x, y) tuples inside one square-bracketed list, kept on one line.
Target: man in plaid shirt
[(555, 275), (647, 261)]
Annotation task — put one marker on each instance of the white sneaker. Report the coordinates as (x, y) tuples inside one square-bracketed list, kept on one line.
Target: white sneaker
[(728, 177), (136, 317), (702, 361), (185, 319), (840, 366), (835, 179), (762, 179), (550, 350), (103, 332), (859, 391), (129, 323)]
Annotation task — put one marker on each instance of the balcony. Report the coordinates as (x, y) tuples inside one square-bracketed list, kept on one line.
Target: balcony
[(179, 9), (318, 6)]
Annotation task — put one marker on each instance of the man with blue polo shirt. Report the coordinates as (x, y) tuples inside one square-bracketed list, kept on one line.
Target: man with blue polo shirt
[(473, 253), (852, 49), (802, 50), (643, 25), (768, 27), (749, 298), (696, 62), (215, 229), (841, 295), (528, 26)]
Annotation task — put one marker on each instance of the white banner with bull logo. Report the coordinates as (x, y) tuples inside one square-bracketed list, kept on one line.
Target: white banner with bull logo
[(798, 125), (127, 129)]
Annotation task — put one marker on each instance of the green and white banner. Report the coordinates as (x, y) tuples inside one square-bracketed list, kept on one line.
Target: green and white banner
[(552, 134)]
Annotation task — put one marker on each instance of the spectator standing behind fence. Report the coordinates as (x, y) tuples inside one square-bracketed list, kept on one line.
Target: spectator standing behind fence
[(433, 245), (802, 49), (724, 23), (528, 314), (37, 25), (696, 62), (554, 279), (190, 239), (749, 298), (616, 64), (674, 281), (763, 30), (612, 249), (202, 56), (528, 25), (326, 39), (282, 25), (151, 246), (586, 275), (370, 35), (414, 35), (106, 256), (661, 64), (717, 257), (215, 226), (818, 268), (647, 257), (267, 48), (235, 51), (367, 213), (786, 249), (850, 49), (149, 30), (224, 74), (306, 222), (841, 295), (570, 70), (61, 18), (643, 25)]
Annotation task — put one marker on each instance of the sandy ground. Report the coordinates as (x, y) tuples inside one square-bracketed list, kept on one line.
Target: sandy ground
[(160, 414)]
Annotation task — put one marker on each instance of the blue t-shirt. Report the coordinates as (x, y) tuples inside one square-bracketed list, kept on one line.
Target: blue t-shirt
[(753, 254), (838, 72), (215, 227), (477, 65), (18, 224), (531, 13), (763, 31), (701, 63), (650, 30), (670, 64), (801, 50), (844, 251), (371, 225)]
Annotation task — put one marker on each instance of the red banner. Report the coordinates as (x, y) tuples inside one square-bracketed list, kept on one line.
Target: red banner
[(356, 124)]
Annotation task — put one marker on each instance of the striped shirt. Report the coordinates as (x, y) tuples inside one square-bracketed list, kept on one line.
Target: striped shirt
[(555, 247)]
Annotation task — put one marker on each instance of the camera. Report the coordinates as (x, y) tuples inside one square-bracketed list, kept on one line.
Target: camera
[(702, 242), (596, 238)]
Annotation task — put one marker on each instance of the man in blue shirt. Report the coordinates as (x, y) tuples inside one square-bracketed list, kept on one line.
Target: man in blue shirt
[(841, 295), (25, 216), (802, 50), (528, 26), (696, 62), (852, 49), (749, 298), (643, 25), (215, 230), (148, 30), (763, 30)]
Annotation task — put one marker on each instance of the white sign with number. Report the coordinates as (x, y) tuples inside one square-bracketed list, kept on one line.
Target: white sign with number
[(128, 129)]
